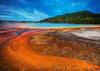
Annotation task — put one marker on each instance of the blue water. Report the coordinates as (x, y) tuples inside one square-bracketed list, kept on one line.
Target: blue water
[(55, 25), (42, 25)]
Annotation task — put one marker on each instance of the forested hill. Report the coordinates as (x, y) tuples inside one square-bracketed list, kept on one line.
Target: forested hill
[(82, 17)]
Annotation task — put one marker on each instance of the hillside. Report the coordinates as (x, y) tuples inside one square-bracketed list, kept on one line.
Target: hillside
[(82, 17)]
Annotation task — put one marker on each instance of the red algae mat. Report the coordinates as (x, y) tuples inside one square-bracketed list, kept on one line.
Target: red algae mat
[(17, 54)]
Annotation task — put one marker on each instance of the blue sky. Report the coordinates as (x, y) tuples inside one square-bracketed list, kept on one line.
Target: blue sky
[(35, 10)]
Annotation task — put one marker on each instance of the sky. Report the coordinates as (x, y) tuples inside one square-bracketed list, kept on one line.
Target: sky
[(36, 10)]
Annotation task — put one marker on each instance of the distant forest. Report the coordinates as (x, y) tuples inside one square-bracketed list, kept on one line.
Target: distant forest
[(82, 17)]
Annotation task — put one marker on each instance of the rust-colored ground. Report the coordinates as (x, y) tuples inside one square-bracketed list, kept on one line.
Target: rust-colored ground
[(16, 55)]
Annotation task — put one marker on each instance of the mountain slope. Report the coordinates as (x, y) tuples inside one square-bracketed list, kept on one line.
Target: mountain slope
[(82, 17)]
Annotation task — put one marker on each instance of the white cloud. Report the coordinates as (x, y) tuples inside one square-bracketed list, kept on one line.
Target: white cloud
[(78, 4), (22, 14), (39, 14), (75, 3)]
